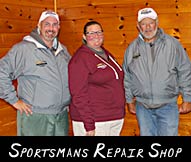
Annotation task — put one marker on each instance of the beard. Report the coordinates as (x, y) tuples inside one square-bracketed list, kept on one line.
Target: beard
[(49, 35), (152, 35)]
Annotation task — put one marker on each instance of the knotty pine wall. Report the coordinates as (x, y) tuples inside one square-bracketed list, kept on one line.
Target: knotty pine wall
[(19, 17)]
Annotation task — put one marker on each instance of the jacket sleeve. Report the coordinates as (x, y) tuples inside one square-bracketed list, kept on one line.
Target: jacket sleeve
[(127, 77), (78, 84), (10, 68), (184, 73), (67, 55)]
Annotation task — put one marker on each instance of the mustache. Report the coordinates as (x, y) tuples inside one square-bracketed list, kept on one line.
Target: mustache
[(50, 31)]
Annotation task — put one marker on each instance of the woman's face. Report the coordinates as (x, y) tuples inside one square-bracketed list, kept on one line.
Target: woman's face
[(94, 36)]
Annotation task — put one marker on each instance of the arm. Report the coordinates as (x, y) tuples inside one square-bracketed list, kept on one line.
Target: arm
[(184, 76), (78, 84), (130, 99), (10, 69)]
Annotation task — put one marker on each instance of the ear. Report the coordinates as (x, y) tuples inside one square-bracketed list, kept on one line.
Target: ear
[(38, 28), (39, 24), (157, 22), (84, 37), (138, 26), (59, 26)]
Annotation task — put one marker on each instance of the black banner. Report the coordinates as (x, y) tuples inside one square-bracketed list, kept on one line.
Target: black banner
[(90, 149)]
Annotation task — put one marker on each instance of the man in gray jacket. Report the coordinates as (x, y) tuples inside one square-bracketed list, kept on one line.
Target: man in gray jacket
[(157, 70), (40, 64)]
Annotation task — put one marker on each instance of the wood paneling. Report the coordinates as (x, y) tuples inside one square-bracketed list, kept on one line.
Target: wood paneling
[(7, 119), (9, 39), (118, 18), (17, 18), (30, 3)]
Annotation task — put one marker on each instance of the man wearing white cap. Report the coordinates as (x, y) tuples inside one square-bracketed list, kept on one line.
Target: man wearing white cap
[(157, 70), (40, 64)]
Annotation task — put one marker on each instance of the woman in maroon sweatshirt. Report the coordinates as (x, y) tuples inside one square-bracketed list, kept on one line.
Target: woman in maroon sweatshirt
[(96, 85)]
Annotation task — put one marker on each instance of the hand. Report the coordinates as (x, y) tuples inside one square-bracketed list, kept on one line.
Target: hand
[(185, 108), (132, 108), (90, 133), (23, 107)]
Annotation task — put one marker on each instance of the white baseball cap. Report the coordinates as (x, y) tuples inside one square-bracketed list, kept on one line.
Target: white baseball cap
[(146, 13), (48, 13)]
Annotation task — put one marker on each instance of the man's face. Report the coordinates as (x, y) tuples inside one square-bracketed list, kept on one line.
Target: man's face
[(148, 28), (49, 29)]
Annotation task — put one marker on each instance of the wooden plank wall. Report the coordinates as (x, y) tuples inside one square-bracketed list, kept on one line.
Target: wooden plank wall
[(19, 17), (119, 22)]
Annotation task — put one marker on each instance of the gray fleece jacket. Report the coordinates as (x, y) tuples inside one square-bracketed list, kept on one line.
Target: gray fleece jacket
[(42, 75), (161, 80)]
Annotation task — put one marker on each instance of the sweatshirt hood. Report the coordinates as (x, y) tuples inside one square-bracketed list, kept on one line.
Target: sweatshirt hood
[(35, 38)]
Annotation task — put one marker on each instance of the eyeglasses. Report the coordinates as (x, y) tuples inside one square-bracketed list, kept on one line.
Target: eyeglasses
[(99, 33)]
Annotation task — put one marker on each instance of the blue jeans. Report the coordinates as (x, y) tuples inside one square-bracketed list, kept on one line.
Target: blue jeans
[(162, 121)]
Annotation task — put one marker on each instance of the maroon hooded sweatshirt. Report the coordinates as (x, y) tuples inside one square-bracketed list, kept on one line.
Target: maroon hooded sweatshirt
[(96, 87)]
